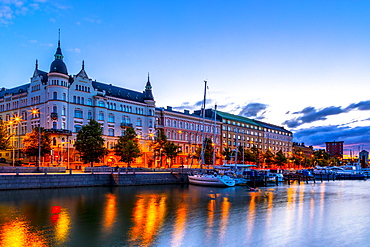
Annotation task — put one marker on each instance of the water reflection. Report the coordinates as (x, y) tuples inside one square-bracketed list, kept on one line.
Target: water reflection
[(188, 216), (148, 216), (18, 232)]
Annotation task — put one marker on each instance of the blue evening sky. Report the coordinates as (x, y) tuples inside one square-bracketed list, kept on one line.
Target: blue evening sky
[(304, 65)]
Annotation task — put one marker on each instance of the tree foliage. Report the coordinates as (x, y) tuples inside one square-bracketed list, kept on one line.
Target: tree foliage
[(159, 143), (4, 136), (127, 147), (90, 143), (171, 150), (228, 153), (31, 142), (280, 159)]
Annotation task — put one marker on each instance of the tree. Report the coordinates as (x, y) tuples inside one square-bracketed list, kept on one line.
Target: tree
[(127, 146), (31, 142), (4, 136), (268, 157), (280, 159), (159, 143), (90, 143), (228, 153), (171, 150), (207, 150)]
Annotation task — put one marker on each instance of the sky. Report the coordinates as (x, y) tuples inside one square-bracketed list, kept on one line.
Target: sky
[(303, 65)]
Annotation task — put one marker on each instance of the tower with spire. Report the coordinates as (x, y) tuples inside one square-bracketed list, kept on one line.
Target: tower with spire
[(148, 94)]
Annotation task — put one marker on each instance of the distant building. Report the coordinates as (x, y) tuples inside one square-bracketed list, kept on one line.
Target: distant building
[(300, 147), (335, 149), (241, 131), (364, 158)]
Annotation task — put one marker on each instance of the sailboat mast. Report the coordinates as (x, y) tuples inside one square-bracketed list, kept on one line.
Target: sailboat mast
[(214, 138), (204, 117)]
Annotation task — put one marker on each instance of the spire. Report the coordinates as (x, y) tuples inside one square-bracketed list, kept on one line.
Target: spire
[(37, 65), (82, 72), (148, 95), (58, 65)]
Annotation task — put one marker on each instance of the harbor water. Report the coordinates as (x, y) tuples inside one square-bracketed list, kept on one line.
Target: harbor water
[(334, 213)]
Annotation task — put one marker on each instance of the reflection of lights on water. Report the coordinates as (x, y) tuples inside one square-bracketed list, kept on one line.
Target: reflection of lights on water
[(62, 226), (225, 207), (251, 215), (18, 233), (148, 217), (180, 224), (211, 207), (110, 212)]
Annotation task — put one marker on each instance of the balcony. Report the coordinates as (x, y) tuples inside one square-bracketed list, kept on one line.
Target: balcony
[(126, 125), (59, 132)]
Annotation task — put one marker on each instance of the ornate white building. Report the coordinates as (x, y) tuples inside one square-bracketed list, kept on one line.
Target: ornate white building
[(64, 103)]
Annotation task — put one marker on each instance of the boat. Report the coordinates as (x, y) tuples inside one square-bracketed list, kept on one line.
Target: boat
[(216, 180)]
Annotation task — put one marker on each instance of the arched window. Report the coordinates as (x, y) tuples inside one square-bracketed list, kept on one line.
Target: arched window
[(55, 125), (54, 109), (89, 102), (64, 97), (55, 95), (74, 99), (78, 113), (139, 122), (150, 123), (63, 125), (78, 100), (82, 101), (63, 111), (101, 116), (111, 118), (89, 115)]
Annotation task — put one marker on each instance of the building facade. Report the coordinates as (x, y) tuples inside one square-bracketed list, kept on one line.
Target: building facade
[(65, 103), (186, 130), (335, 149)]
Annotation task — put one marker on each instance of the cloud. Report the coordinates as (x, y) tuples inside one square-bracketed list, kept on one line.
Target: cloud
[(354, 138), (10, 9), (311, 114), (77, 50), (254, 110)]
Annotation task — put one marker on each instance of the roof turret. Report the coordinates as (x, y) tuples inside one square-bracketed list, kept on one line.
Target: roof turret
[(58, 65)]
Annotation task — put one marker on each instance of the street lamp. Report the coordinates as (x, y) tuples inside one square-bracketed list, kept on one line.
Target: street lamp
[(35, 112)]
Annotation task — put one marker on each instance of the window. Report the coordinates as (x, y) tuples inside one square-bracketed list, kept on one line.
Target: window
[(89, 102), (78, 113), (55, 125), (55, 95), (77, 128), (89, 115), (150, 123), (63, 125), (63, 111), (101, 104), (101, 116), (111, 118), (82, 101), (54, 109), (111, 132), (139, 122), (74, 99), (64, 97)]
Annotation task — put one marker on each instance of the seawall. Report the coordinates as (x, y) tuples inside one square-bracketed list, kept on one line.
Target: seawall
[(39, 181)]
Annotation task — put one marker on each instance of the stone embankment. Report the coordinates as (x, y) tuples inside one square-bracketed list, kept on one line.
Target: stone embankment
[(10, 181)]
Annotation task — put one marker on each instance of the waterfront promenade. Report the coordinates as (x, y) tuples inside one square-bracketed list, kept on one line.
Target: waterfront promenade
[(54, 178)]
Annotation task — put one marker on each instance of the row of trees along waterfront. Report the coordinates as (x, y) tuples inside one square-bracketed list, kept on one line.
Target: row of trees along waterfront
[(90, 145)]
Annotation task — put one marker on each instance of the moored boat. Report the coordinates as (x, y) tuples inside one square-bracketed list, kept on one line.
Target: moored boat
[(211, 180)]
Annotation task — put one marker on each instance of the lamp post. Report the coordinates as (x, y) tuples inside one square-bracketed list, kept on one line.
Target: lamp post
[(35, 112)]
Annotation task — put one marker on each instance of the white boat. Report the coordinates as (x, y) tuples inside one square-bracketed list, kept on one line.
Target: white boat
[(211, 180)]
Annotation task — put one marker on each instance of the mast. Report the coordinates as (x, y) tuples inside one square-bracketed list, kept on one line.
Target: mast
[(204, 116), (214, 138)]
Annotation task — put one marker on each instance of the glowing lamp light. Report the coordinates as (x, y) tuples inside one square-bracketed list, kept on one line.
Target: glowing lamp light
[(55, 209)]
